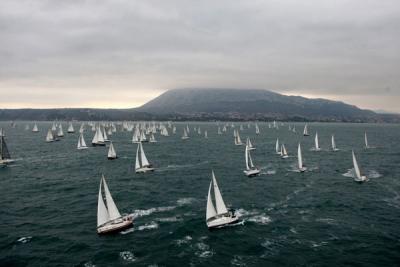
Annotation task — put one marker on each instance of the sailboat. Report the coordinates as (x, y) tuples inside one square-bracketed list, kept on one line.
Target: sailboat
[(257, 129), (238, 141), (302, 168), (111, 152), (98, 139), (205, 135), (316, 148), (278, 152), (109, 220), (185, 135), (60, 131), (284, 153), (105, 137), (2, 132), (334, 148), (49, 136), (217, 215), (249, 144), (152, 138), (5, 157), (70, 128), (305, 132), (81, 142), (142, 165), (35, 128), (366, 140), (358, 177), (251, 170)]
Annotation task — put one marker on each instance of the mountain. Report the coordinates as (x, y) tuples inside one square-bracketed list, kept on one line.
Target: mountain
[(252, 104), (215, 104)]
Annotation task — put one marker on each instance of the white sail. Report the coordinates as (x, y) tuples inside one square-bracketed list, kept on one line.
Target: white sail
[(143, 158), (105, 137), (70, 128), (95, 139), (219, 202), (113, 212), (366, 140), (102, 212), (111, 151), (257, 129), (277, 146), (83, 143), (49, 136), (250, 159), (333, 143), (299, 157), (305, 132), (210, 206), (35, 128), (246, 152), (356, 168), (137, 163), (205, 134), (284, 152), (60, 131), (316, 142), (238, 140)]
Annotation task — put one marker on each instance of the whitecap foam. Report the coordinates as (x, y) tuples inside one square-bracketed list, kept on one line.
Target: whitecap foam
[(140, 213), (89, 264), (238, 261), (260, 219), (169, 219), (127, 256), (326, 220), (184, 240), (24, 239), (243, 212), (185, 201), (203, 250), (148, 226)]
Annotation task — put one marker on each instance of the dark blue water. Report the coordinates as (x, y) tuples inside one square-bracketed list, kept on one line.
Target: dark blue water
[(48, 200)]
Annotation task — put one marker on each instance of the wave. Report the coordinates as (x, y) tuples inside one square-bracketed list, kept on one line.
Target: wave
[(237, 261), (252, 216), (127, 256), (185, 201), (203, 250), (141, 213), (184, 240), (149, 226), (371, 174), (183, 166), (169, 219), (89, 264), (24, 239), (327, 221)]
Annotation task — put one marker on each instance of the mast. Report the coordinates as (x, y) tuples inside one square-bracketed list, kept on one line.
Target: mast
[(102, 212), (220, 205), (356, 168), (113, 212), (210, 206)]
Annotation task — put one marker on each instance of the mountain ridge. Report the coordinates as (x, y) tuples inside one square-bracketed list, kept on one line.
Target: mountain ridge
[(208, 104)]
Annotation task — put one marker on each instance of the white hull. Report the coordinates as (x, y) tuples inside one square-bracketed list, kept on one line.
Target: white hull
[(284, 156), (221, 221), (115, 226), (184, 138), (83, 147), (6, 161), (253, 172), (144, 170), (361, 179)]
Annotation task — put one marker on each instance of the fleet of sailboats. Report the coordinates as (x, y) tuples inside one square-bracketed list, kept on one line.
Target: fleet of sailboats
[(217, 215)]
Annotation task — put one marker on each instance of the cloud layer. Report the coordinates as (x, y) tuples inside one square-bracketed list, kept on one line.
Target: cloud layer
[(121, 53)]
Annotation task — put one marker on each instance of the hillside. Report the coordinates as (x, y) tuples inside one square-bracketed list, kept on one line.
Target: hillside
[(252, 104)]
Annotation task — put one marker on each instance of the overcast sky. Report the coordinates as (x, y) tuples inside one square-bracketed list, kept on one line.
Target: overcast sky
[(122, 53)]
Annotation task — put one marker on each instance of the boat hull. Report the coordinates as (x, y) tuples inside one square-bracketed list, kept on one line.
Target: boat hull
[(144, 170), (251, 173), (115, 227), (111, 158), (221, 222), (98, 144)]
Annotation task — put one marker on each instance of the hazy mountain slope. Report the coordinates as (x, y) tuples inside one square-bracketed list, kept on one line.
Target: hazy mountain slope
[(248, 102)]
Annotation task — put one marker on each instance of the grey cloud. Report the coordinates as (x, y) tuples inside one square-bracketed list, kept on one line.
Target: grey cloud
[(317, 47)]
